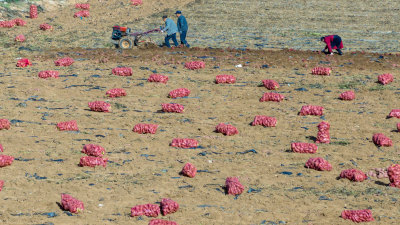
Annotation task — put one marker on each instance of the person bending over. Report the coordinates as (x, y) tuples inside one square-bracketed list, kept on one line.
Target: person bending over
[(333, 42)]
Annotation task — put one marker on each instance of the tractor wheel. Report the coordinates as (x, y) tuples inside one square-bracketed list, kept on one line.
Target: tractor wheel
[(125, 43)]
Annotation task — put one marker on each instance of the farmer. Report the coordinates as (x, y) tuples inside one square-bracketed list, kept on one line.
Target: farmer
[(171, 29), (333, 41), (182, 28)]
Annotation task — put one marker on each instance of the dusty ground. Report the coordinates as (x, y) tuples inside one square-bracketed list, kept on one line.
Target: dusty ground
[(144, 169)]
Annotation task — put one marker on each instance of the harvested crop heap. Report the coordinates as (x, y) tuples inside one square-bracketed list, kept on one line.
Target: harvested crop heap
[(321, 71), (225, 79), (143, 128), (323, 133), (353, 175), (312, 110), (48, 74), (301, 147), (347, 95), (189, 170), (172, 108), (270, 84), (272, 97), (179, 93), (122, 71), (318, 164), (265, 121), (158, 78), (116, 92), (68, 125), (99, 106), (64, 62), (184, 143), (364, 215), (195, 65)]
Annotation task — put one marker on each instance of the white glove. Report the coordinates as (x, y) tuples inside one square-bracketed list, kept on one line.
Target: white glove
[(331, 53), (162, 31)]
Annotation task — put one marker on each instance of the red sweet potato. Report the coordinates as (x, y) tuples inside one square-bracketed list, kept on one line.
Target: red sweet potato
[(122, 71), (225, 79), (92, 161), (398, 127), (272, 97), (378, 172), (99, 106), (168, 206), (395, 113), (48, 74), (20, 38), (82, 13), (20, 22), (33, 12), (172, 107), (143, 128), (301, 147), (385, 78), (150, 210), (68, 125), (226, 129), (312, 110), (116, 92), (71, 204), (45, 26), (321, 71), (93, 150), (233, 186), (5, 124), (189, 170), (179, 93), (353, 175), (64, 62), (347, 95), (6, 160), (7, 24), (184, 143), (264, 121), (195, 65), (1, 184), (323, 133), (82, 6), (357, 216), (158, 78), (270, 84), (318, 164), (381, 140), (161, 222), (136, 2), (393, 173), (24, 63)]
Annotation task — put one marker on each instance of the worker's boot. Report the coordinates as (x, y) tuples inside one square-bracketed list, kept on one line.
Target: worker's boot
[(340, 52)]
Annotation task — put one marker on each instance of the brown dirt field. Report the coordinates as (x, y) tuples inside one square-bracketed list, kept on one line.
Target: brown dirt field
[(144, 169)]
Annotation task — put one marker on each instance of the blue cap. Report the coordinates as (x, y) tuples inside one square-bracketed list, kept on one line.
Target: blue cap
[(178, 12)]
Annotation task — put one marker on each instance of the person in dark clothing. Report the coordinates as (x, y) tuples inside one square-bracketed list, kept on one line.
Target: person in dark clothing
[(171, 29), (182, 28), (333, 42)]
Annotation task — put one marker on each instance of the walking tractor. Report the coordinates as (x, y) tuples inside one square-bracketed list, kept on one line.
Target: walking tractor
[(124, 38)]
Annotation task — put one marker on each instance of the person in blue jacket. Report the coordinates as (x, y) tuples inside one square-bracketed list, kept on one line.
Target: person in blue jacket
[(171, 29), (182, 28)]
